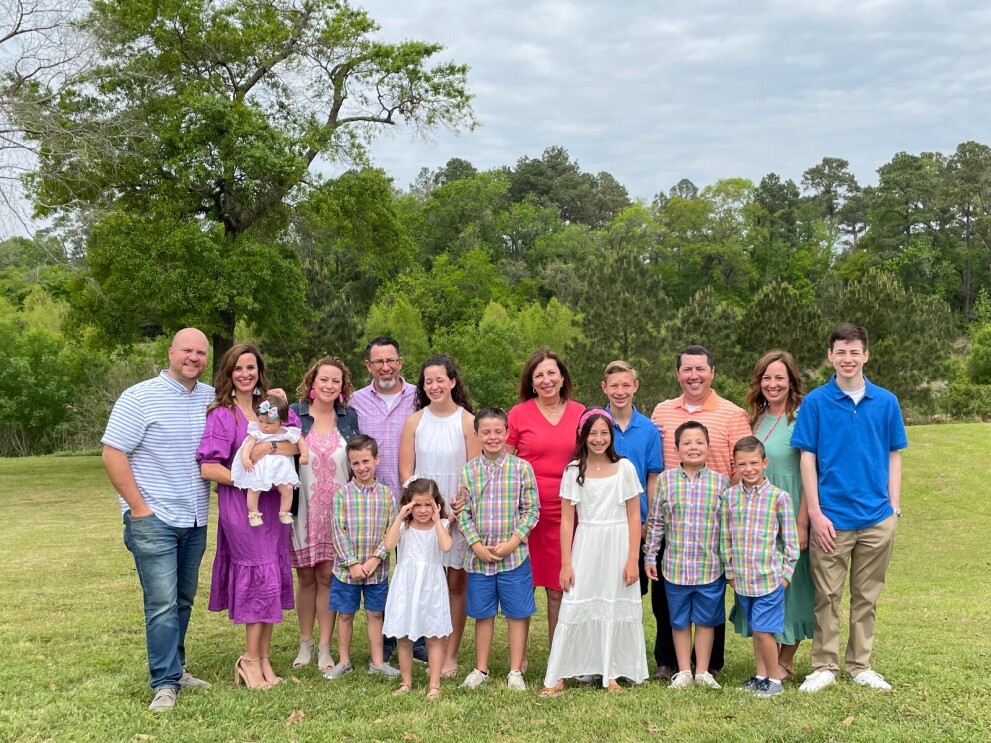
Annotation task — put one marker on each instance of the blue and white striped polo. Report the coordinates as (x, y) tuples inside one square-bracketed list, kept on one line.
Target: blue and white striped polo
[(158, 423)]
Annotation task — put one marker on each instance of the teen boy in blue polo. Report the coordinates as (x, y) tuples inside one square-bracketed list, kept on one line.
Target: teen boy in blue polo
[(363, 511), (637, 439), (850, 433)]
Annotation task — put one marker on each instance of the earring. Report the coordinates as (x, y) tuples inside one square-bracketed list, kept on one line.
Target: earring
[(313, 394), (257, 391), (233, 393), (340, 398)]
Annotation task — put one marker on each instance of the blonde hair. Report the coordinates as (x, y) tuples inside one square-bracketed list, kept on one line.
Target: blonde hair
[(620, 367)]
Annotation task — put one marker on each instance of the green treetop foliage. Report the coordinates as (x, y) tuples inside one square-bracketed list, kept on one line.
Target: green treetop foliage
[(210, 115)]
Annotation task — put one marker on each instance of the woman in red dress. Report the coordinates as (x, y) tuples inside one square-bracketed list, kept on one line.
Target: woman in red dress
[(542, 431)]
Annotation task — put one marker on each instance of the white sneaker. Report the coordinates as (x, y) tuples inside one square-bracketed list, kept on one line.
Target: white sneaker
[(515, 681), (706, 679), (817, 681), (475, 679), (873, 679), (681, 680)]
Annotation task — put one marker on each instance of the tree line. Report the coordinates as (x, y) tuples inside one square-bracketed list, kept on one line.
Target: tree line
[(177, 169)]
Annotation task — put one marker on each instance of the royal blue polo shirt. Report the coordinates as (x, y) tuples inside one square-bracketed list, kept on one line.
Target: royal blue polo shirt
[(641, 444), (852, 443)]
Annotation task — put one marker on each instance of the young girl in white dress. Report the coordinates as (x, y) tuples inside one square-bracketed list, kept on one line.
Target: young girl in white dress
[(268, 472), (438, 439), (417, 605), (600, 628)]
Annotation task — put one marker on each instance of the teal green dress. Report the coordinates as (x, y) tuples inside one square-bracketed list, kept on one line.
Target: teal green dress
[(783, 472)]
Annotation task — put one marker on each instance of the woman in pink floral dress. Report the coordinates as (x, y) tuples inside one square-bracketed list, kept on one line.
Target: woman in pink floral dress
[(327, 424)]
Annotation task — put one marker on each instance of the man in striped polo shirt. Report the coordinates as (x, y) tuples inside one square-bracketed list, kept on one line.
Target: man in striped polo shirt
[(149, 451), (727, 423)]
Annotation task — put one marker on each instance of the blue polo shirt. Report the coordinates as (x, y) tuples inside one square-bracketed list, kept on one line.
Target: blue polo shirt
[(159, 424), (641, 444), (852, 443)]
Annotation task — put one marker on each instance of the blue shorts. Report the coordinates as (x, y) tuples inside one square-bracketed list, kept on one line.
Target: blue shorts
[(765, 613), (510, 589), (703, 605), (346, 597)]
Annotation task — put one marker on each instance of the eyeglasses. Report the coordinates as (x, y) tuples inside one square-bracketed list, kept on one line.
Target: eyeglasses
[(379, 363)]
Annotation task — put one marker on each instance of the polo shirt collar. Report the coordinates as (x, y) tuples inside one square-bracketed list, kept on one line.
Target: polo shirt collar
[(870, 389), (711, 402), (634, 419)]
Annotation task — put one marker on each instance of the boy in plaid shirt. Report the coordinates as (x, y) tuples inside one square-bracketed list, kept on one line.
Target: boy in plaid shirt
[(685, 509), (759, 547), (363, 512), (500, 508)]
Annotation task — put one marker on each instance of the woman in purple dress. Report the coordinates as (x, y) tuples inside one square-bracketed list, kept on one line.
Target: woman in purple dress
[(252, 576)]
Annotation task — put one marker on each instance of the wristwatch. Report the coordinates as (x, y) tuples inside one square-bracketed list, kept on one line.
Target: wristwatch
[(898, 513), (275, 448)]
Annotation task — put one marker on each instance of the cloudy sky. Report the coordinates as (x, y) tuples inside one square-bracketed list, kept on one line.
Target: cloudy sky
[(656, 91)]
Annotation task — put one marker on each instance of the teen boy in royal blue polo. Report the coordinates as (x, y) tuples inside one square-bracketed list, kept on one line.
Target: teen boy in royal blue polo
[(850, 433)]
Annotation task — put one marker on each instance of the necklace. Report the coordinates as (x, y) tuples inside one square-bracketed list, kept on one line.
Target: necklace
[(555, 410), (776, 422)]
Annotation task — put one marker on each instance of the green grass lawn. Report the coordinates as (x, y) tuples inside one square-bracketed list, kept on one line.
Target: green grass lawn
[(74, 668)]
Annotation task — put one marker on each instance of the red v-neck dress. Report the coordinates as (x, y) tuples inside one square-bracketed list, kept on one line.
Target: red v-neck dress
[(548, 448)]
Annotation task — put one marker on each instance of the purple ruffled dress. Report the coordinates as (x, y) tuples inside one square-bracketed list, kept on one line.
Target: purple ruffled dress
[(252, 577)]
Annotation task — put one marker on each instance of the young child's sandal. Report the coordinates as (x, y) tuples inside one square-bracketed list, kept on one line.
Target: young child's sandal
[(434, 693), (449, 673), (403, 689)]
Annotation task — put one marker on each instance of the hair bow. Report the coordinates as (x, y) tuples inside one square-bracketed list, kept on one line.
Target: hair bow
[(268, 409)]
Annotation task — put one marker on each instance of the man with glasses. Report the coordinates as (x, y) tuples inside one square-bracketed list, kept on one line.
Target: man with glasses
[(383, 407)]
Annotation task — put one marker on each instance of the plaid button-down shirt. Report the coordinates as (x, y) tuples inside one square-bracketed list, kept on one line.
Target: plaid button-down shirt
[(759, 540), (685, 510), (385, 425), (361, 518), (501, 501)]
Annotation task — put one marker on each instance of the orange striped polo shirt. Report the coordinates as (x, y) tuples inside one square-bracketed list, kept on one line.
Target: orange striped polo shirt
[(727, 423)]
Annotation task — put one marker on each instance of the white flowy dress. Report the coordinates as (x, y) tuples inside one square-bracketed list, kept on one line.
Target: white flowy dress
[(440, 456), (418, 605), (600, 625)]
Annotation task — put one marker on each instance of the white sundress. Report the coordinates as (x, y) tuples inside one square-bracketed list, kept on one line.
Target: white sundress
[(269, 471), (600, 626), (417, 605), (441, 455)]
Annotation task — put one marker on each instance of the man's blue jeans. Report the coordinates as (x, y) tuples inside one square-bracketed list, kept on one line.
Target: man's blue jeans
[(168, 562)]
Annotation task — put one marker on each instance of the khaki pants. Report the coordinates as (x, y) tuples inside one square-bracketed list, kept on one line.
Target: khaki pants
[(866, 552)]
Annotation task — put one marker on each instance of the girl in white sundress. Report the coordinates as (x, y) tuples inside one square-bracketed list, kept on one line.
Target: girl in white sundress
[(438, 439), (600, 627), (268, 472), (417, 605)]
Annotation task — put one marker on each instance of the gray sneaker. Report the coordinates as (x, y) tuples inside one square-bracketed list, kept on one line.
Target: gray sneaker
[(752, 684), (383, 670), (189, 681), (769, 688), (164, 700), (337, 671)]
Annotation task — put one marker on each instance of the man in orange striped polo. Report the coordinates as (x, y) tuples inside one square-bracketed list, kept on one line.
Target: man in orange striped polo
[(727, 423)]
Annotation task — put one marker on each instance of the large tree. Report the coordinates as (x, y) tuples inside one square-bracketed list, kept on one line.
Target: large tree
[(219, 110)]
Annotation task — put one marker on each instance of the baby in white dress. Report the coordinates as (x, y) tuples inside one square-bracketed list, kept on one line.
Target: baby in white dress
[(269, 471)]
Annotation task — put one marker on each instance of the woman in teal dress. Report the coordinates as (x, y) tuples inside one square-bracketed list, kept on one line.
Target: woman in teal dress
[(774, 397)]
